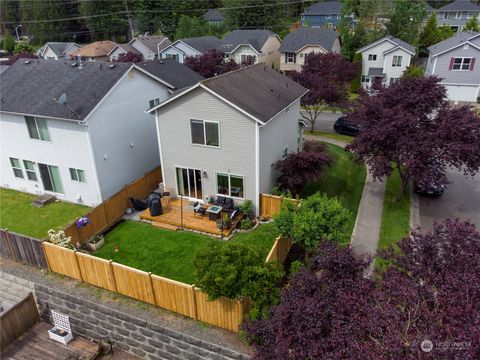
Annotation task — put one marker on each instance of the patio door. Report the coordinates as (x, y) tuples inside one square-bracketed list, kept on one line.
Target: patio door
[(189, 183), (51, 178)]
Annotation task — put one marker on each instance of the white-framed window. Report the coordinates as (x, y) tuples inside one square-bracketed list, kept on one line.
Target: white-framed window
[(338, 16), (230, 185), (205, 133), (392, 80), (30, 170), (450, 15), (301, 55), (244, 58), (458, 15), (17, 168), (462, 64), (330, 25), (290, 57), (285, 152), (397, 60), (172, 56), (77, 175), (37, 128), (153, 102), (328, 16), (365, 79), (372, 57)]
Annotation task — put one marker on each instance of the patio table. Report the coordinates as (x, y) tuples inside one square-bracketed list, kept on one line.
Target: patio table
[(214, 212)]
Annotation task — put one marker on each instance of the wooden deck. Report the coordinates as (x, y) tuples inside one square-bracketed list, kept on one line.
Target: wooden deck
[(35, 344), (173, 217)]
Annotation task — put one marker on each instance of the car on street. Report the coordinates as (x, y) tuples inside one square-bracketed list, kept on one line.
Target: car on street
[(432, 189), (342, 126)]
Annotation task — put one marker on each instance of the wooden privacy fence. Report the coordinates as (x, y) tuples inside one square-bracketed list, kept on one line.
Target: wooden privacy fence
[(15, 321), (22, 248), (279, 250), (161, 292), (270, 205), (111, 210)]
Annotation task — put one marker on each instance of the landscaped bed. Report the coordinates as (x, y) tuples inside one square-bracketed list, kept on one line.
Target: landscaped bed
[(170, 253), (19, 215), (344, 179)]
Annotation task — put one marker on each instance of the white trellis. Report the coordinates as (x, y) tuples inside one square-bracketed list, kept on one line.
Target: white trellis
[(61, 331)]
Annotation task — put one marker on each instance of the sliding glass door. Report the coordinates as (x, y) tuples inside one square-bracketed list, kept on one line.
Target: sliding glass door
[(189, 183), (51, 178)]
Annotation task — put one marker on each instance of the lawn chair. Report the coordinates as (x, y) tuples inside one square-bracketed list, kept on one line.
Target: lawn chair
[(199, 209)]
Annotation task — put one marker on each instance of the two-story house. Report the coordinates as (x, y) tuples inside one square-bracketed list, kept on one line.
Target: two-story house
[(298, 44), (150, 46), (57, 50), (96, 51), (453, 60), (223, 135), (213, 17), (79, 130), (385, 59), (457, 13), (122, 49), (196, 46), (323, 14)]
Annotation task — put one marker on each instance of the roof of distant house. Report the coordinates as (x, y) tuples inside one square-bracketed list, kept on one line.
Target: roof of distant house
[(296, 40), (96, 49), (58, 48), (326, 7), (453, 42), (464, 5), (429, 7), (153, 41), (394, 40), (213, 15), (177, 75), (127, 48), (256, 38), (203, 43)]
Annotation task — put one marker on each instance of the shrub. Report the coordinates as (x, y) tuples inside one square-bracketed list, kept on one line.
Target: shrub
[(284, 219), (246, 224), (59, 238), (277, 191), (8, 42), (24, 47), (247, 208)]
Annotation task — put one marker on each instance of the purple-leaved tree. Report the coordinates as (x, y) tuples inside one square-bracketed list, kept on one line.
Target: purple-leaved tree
[(411, 127), (212, 63), (129, 57), (15, 57)]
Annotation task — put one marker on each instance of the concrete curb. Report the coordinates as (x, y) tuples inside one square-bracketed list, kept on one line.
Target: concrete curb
[(414, 210)]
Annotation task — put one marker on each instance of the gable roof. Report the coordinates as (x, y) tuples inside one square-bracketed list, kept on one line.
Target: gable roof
[(58, 48), (125, 47), (30, 88), (96, 49), (257, 91), (173, 74), (256, 38), (203, 43), (213, 15), (296, 40), (465, 5), (395, 41), (152, 41), (326, 7), (452, 42)]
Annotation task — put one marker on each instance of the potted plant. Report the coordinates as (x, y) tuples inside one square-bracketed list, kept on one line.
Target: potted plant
[(96, 242), (226, 222)]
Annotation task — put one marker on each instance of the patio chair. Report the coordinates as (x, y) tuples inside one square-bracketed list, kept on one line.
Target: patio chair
[(156, 207), (138, 204), (220, 201), (199, 209), (229, 205)]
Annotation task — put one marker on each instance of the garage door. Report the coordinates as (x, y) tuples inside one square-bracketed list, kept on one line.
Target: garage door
[(462, 92)]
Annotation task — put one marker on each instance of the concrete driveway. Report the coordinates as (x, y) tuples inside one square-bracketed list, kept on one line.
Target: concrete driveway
[(461, 199), (325, 121)]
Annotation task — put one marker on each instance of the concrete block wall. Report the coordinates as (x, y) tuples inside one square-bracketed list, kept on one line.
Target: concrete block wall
[(13, 289)]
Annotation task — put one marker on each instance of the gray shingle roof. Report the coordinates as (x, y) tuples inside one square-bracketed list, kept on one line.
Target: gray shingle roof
[(127, 48), (203, 43), (326, 7), (59, 48), (257, 89), (296, 40), (395, 40), (465, 5), (452, 42), (256, 38), (172, 72), (213, 15), (30, 88), (151, 42)]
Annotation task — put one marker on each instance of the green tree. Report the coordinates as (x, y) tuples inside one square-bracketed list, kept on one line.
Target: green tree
[(472, 25), (445, 32), (111, 25), (192, 27), (406, 18), (356, 83), (8, 42), (429, 35), (9, 15), (414, 71), (245, 13), (23, 47)]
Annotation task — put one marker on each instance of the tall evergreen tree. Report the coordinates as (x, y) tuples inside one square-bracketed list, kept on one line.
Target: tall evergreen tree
[(248, 14), (9, 15), (429, 35), (405, 19), (472, 25), (111, 25)]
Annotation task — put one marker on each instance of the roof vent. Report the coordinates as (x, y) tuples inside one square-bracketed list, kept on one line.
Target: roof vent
[(111, 66), (80, 65), (26, 62), (160, 62), (74, 64)]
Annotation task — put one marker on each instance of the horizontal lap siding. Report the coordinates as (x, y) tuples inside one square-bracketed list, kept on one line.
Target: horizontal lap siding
[(458, 77)]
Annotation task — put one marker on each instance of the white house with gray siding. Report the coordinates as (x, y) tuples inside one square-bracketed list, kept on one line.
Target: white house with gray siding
[(196, 46), (455, 61), (223, 135), (83, 133)]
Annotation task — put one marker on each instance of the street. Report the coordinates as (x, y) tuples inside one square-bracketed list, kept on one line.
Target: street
[(325, 121), (461, 199)]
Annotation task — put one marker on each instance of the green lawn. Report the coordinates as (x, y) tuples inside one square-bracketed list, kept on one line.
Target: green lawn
[(344, 179), (170, 253), (17, 214), (333, 136)]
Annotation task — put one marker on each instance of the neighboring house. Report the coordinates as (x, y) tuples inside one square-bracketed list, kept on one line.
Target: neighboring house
[(457, 13), (385, 59), (263, 45), (454, 61), (213, 17), (223, 135), (97, 51), (122, 49), (150, 46), (79, 130), (57, 50), (323, 14), (196, 46), (298, 44)]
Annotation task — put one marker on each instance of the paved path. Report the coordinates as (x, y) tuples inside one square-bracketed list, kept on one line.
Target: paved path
[(366, 232), (325, 121)]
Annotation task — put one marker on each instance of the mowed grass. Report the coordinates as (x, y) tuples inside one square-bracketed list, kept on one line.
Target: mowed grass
[(333, 136), (17, 214), (344, 179), (170, 253)]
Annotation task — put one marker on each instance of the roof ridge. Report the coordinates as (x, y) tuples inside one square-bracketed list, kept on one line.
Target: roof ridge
[(242, 68)]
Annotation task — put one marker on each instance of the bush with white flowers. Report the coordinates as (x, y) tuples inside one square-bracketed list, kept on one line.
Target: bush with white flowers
[(59, 238)]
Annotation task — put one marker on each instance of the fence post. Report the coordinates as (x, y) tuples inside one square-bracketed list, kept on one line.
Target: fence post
[(242, 311), (113, 280), (153, 289), (10, 245), (78, 265), (195, 312), (46, 257)]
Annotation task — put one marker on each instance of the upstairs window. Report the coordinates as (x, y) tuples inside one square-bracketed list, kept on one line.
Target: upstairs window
[(328, 16), (154, 102), (397, 61), (372, 57), (37, 128), (462, 64), (205, 133), (290, 57)]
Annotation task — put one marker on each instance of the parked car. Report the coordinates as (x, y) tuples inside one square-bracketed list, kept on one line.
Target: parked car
[(342, 126), (432, 189)]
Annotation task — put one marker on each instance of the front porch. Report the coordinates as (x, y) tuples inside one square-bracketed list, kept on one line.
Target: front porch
[(179, 214)]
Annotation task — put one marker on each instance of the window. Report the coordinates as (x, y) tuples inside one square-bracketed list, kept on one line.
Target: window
[(285, 152), (77, 175), (365, 79), (458, 15), (230, 185), (205, 133), (397, 61), (338, 16), (51, 179), (37, 128), (244, 58), (301, 55), (172, 56), (329, 16), (462, 64), (16, 167), (154, 102), (290, 57), (392, 80), (30, 170), (372, 57), (450, 15)]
